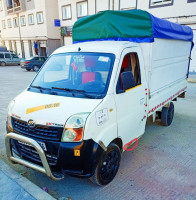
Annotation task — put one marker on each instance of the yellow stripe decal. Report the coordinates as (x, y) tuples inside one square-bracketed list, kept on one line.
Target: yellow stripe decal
[(133, 88), (47, 106)]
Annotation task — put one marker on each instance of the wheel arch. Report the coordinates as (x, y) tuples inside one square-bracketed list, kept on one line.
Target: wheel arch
[(118, 141)]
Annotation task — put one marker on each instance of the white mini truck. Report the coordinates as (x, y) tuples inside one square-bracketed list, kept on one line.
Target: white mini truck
[(92, 98)]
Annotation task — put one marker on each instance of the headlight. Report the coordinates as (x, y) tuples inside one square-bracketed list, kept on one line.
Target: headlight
[(74, 127), (9, 114)]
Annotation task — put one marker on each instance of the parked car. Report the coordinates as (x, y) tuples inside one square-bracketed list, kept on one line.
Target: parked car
[(33, 63), (8, 58)]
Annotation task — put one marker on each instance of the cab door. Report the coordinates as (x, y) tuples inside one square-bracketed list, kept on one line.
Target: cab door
[(15, 59), (131, 102), (8, 58)]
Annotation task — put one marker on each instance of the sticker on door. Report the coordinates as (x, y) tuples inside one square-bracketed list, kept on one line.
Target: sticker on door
[(102, 116)]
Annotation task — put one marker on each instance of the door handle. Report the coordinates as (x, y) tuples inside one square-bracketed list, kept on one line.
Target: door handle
[(142, 100)]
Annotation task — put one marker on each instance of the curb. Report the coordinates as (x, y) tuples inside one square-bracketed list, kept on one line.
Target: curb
[(24, 183), (191, 80)]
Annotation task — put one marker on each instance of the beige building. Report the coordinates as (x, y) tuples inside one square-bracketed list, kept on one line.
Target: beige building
[(26, 24)]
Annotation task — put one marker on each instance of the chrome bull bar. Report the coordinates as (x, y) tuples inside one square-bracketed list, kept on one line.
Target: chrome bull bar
[(45, 169)]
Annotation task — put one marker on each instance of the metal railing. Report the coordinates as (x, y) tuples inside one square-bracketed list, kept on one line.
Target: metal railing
[(45, 169)]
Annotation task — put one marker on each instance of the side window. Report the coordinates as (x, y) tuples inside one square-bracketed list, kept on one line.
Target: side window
[(7, 55), (43, 59), (129, 76), (1, 56), (14, 56)]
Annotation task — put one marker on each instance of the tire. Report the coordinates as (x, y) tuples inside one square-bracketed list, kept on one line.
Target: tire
[(108, 166), (3, 64), (167, 115), (28, 70), (35, 68)]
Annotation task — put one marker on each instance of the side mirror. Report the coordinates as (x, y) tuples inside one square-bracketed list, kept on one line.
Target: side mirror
[(127, 80)]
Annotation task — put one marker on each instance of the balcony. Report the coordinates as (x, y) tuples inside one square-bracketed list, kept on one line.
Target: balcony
[(15, 6)]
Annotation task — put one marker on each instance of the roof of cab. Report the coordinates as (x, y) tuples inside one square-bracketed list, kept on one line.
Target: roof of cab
[(114, 47)]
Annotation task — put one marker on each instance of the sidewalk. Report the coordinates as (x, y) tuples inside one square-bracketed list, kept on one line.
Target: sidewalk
[(15, 186), (192, 78)]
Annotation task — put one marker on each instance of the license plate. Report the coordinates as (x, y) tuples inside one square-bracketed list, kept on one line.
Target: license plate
[(42, 144)]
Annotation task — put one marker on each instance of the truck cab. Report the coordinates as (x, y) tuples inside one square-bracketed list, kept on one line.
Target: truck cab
[(79, 104)]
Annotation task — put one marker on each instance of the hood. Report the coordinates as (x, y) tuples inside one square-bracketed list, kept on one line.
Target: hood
[(50, 109)]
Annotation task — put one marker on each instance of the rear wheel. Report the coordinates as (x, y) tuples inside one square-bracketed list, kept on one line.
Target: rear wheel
[(3, 64), (108, 166), (35, 68), (167, 115), (28, 69)]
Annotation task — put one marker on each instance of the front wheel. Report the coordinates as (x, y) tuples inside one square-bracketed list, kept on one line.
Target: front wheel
[(28, 69), (108, 166)]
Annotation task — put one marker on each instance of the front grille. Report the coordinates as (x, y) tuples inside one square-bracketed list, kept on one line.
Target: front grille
[(39, 131), (32, 154)]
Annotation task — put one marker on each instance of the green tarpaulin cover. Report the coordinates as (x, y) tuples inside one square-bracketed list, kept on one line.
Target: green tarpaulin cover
[(131, 25)]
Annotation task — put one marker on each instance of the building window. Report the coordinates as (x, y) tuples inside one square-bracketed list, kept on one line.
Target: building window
[(3, 24), (13, 4), (191, 1), (31, 19), (40, 19), (16, 3), (160, 3), (102, 5), (15, 22), (82, 9), (128, 5), (23, 21), (66, 12), (9, 23)]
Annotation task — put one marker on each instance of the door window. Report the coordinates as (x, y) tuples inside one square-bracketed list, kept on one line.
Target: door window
[(129, 76), (14, 56), (7, 55), (1, 56), (42, 59), (36, 58)]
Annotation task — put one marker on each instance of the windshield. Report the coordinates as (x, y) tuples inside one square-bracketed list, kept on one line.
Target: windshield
[(14, 56), (76, 73)]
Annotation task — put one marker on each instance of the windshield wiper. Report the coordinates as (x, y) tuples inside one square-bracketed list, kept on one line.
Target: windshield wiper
[(75, 90), (39, 87), (42, 88), (57, 88)]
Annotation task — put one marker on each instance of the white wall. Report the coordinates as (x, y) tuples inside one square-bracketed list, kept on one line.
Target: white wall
[(179, 8)]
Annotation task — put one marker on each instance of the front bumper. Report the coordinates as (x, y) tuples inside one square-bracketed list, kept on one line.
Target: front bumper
[(45, 169), (22, 66), (67, 161)]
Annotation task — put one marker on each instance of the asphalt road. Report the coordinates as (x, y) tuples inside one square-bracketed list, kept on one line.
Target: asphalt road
[(163, 166)]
